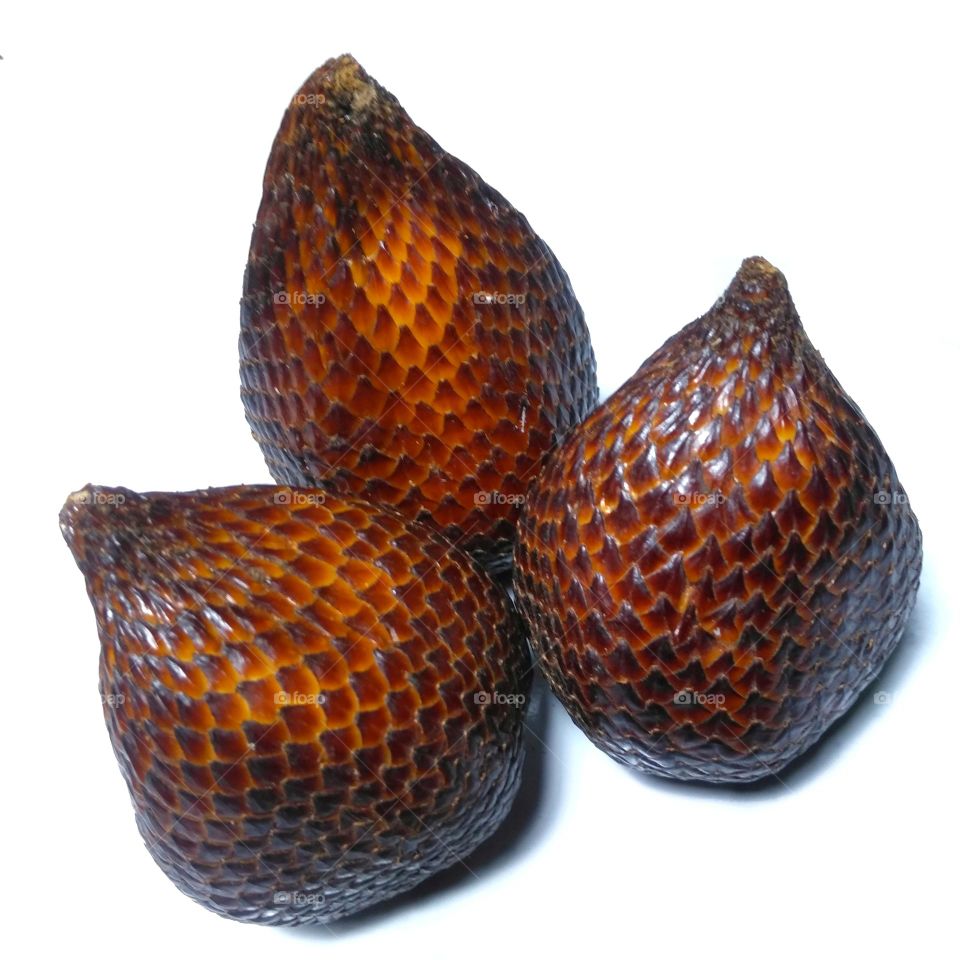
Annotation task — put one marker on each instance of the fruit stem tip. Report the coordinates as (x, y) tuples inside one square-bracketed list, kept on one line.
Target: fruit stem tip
[(345, 81), (758, 268)]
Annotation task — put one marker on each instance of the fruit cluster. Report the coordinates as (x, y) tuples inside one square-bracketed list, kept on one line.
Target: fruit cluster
[(316, 691)]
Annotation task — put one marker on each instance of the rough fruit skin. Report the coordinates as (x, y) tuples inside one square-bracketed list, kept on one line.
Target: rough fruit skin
[(370, 362), (293, 687), (721, 557)]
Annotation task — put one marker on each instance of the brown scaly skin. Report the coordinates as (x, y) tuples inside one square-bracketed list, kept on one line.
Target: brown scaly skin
[(720, 558), (295, 691), (366, 364)]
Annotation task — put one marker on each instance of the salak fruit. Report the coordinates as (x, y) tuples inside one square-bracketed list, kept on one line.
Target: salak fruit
[(405, 335), (721, 557), (314, 703)]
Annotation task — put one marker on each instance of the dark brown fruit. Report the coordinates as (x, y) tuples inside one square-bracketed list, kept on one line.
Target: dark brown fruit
[(315, 704), (721, 558), (372, 358)]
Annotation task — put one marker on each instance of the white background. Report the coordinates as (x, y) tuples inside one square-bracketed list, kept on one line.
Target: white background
[(653, 146)]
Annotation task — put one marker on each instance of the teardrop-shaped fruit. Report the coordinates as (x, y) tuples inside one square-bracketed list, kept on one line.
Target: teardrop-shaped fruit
[(315, 704), (405, 335), (721, 557)]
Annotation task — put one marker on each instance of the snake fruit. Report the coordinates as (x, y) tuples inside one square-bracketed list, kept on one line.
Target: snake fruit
[(405, 335), (721, 557), (315, 704)]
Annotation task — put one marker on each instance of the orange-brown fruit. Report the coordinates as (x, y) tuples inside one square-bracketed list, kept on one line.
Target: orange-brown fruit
[(721, 557), (405, 335), (314, 703)]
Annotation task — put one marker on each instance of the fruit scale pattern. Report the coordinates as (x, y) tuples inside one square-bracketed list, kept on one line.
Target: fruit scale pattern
[(314, 704), (721, 557), (406, 337)]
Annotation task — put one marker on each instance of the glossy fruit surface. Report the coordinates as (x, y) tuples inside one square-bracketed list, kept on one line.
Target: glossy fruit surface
[(314, 703), (721, 557), (405, 335)]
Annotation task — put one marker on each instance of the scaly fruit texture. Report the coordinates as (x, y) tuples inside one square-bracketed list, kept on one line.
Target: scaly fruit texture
[(315, 704), (721, 557), (405, 335)]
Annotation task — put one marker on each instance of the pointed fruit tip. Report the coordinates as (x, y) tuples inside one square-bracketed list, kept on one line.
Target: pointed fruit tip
[(758, 291), (343, 81), (760, 278), (77, 500), (70, 514), (83, 495), (88, 512)]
